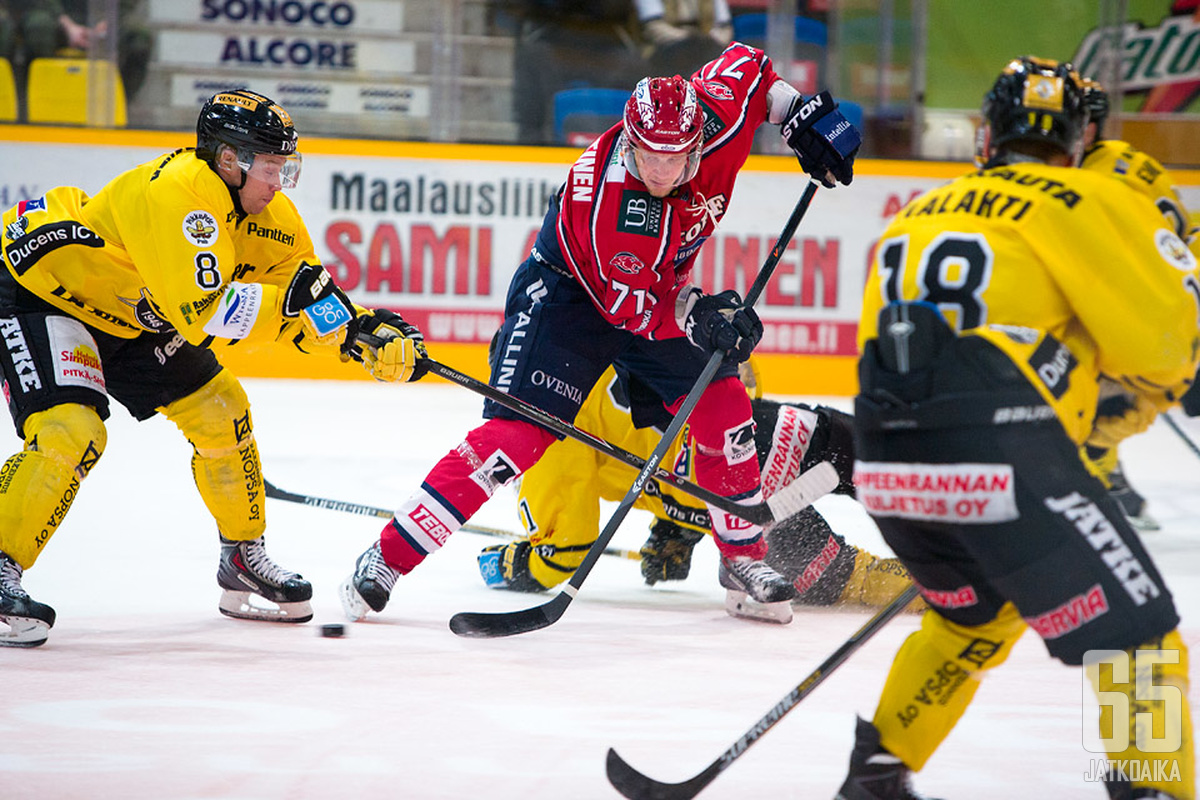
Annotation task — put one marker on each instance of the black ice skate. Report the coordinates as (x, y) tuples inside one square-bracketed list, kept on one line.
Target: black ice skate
[(1121, 788), (24, 622), (755, 591), (875, 774), (1130, 501), (246, 570), (369, 588)]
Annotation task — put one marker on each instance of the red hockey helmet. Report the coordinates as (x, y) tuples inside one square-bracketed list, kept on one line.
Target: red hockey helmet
[(663, 116)]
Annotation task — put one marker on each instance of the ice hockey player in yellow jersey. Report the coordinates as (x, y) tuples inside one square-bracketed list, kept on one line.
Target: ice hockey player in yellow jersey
[(996, 304), (1141, 171), (124, 295), (560, 509)]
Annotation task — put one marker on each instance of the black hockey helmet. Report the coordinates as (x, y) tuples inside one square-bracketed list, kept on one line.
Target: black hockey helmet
[(250, 124), (1036, 100), (1096, 100)]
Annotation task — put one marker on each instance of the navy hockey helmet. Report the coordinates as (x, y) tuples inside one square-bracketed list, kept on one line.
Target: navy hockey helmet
[(1036, 100), (251, 124)]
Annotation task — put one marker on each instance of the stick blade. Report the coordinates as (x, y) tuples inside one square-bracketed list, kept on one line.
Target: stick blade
[(636, 786), (814, 483), (482, 625)]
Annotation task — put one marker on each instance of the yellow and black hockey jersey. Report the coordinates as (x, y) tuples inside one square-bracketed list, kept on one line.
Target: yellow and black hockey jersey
[(1071, 274), (161, 246), (1142, 172)]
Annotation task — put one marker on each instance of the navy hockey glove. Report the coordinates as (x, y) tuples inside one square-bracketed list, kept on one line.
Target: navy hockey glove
[(719, 322), (325, 308), (823, 140), (390, 348)]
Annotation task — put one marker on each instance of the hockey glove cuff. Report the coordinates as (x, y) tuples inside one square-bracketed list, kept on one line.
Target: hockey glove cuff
[(1120, 416), (323, 307), (388, 347), (824, 141)]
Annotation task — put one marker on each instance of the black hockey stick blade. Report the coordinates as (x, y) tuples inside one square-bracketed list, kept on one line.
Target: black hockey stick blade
[(636, 786), (631, 783), (483, 625)]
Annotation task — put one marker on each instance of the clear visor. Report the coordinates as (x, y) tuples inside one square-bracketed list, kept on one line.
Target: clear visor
[(281, 171), (671, 169)]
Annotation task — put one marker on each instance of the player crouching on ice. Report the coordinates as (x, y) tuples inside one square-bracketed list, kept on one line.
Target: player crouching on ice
[(559, 505), (124, 294)]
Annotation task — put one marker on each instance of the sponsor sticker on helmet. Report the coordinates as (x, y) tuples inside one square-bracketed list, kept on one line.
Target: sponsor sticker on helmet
[(200, 228), (1044, 91), (231, 99)]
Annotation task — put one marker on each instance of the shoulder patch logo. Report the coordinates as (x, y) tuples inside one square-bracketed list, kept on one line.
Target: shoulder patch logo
[(26, 206), (200, 228), (627, 263), (718, 90), (1173, 250)]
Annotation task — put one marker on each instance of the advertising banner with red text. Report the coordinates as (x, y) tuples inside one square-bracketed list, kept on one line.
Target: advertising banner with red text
[(436, 231)]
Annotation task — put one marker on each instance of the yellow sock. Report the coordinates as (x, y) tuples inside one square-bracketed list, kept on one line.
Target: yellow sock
[(1145, 716), (38, 484), (225, 463), (933, 678)]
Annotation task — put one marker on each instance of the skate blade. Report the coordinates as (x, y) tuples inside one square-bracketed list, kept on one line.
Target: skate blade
[(1144, 522), (353, 606), (740, 604), (23, 632), (245, 605)]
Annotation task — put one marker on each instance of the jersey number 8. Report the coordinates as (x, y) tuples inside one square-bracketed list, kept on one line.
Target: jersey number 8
[(208, 276)]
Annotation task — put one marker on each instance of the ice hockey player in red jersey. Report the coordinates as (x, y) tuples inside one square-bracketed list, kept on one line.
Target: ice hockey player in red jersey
[(607, 282)]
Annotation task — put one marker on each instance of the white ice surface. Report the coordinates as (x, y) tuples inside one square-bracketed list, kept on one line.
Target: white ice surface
[(145, 691)]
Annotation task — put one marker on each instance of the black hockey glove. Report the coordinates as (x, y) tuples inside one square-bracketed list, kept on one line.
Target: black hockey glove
[(325, 308), (719, 322), (390, 348), (667, 554), (824, 141)]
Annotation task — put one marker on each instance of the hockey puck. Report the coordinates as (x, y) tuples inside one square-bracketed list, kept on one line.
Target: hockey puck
[(333, 631)]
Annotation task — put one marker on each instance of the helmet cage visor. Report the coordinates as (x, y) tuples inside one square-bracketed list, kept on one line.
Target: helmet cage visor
[(272, 168), (653, 165)]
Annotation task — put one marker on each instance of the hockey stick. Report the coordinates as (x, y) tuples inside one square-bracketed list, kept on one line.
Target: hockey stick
[(275, 493), (778, 506), (631, 783), (531, 619), (1175, 426)]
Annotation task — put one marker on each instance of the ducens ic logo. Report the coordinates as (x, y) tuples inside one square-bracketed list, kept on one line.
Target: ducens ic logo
[(200, 228)]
